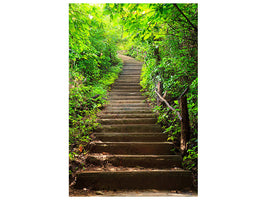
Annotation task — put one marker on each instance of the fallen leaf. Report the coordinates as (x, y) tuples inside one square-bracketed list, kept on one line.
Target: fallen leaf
[(81, 148)]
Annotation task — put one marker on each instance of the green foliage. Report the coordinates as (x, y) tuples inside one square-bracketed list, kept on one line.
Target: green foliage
[(93, 66), (190, 160), (192, 103)]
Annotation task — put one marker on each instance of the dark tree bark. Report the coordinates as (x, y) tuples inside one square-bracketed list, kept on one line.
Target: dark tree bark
[(185, 126)]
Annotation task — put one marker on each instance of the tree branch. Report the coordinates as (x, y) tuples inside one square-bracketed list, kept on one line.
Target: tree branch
[(161, 98), (175, 5)]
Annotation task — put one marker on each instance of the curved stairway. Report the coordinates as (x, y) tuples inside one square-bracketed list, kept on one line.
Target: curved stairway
[(130, 140)]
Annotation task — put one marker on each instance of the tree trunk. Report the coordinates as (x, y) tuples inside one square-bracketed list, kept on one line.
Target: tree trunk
[(185, 126)]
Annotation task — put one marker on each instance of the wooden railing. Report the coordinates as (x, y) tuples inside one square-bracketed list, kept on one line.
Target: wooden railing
[(183, 116)]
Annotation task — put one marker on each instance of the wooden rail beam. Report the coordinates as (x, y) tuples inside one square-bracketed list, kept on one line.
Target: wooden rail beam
[(161, 98)]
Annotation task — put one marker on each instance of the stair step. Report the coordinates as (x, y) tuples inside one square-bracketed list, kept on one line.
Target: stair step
[(110, 108), (129, 128), (126, 101), (118, 97), (128, 121), (130, 76), (133, 67), (148, 161), (118, 82), (128, 93), (123, 116), (113, 111), (135, 63), (142, 179), (125, 90), (127, 81), (132, 148), (128, 105), (130, 137), (131, 71), (127, 87)]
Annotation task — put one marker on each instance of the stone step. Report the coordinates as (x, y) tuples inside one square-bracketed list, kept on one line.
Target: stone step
[(124, 89), (128, 93), (123, 116), (126, 101), (128, 105), (133, 148), (133, 66), (129, 76), (131, 73), (139, 179), (147, 161), (131, 128), (130, 80), (110, 108), (118, 97), (139, 67), (128, 121), (131, 70), (129, 137), (127, 81), (127, 87), (126, 84), (115, 111)]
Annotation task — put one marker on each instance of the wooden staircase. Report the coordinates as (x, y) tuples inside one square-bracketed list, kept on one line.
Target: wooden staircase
[(132, 142)]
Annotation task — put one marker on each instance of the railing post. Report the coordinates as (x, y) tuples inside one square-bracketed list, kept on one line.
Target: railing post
[(185, 126)]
